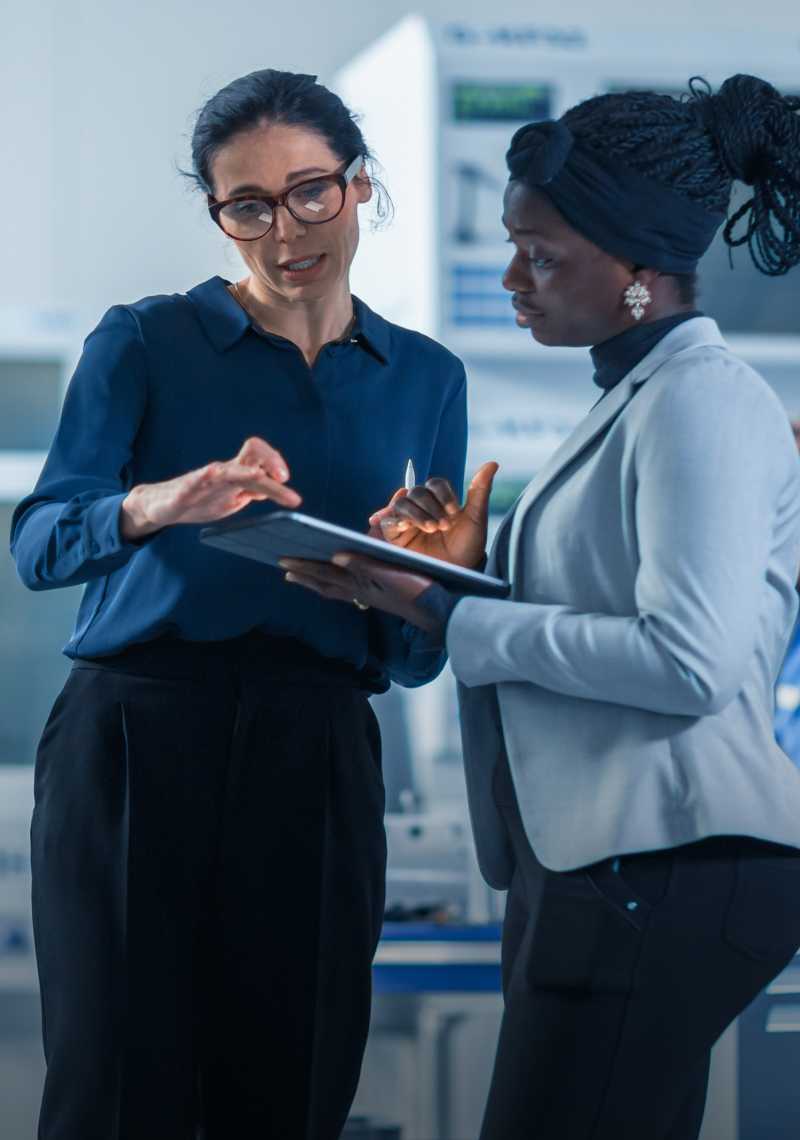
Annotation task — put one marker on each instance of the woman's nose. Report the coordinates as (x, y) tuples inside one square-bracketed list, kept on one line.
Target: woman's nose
[(516, 279), (285, 226)]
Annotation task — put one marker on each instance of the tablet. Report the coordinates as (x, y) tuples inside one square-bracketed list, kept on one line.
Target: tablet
[(289, 534)]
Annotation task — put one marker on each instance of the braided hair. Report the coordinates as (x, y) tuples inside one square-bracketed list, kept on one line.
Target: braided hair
[(698, 145)]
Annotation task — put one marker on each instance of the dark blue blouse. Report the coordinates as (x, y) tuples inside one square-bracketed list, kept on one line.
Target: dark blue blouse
[(171, 383)]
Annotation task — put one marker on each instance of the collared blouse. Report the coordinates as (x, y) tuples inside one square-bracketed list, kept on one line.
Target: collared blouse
[(171, 383)]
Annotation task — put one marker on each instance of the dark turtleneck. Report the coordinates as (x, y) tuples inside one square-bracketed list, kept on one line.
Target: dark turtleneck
[(615, 357)]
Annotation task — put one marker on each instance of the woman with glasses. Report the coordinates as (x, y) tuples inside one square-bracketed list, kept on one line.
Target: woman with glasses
[(616, 710), (207, 842)]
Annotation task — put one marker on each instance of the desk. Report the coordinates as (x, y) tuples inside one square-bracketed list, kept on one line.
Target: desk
[(451, 975), (426, 957)]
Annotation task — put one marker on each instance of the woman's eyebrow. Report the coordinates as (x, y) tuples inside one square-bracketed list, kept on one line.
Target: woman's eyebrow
[(518, 230), (292, 176)]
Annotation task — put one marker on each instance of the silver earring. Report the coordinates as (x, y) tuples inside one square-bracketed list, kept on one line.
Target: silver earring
[(637, 297)]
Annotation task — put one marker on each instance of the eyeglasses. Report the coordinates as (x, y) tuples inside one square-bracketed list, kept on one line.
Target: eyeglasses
[(317, 200)]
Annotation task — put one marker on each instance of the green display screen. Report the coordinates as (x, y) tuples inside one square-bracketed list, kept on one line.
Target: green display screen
[(500, 102)]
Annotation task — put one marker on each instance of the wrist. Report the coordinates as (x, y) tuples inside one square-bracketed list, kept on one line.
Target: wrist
[(134, 521), (433, 609)]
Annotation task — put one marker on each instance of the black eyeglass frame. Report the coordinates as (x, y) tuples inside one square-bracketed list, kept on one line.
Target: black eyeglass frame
[(341, 178)]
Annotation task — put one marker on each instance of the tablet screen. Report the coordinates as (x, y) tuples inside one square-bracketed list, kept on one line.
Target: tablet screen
[(289, 534)]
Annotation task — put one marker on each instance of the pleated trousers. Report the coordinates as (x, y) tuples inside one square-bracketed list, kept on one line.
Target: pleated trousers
[(208, 861), (619, 977)]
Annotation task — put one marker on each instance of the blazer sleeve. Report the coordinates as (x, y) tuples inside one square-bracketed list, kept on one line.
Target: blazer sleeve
[(716, 487), (67, 530), (410, 655)]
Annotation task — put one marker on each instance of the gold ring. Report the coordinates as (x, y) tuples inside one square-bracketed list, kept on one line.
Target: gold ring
[(360, 605)]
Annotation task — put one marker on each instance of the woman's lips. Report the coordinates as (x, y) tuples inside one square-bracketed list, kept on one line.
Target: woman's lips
[(526, 316), (303, 274)]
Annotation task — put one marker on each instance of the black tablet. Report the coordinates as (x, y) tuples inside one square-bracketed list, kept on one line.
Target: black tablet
[(289, 534)]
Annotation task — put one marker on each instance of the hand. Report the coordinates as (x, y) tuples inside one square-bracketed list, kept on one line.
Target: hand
[(212, 492), (430, 520), (373, 583)]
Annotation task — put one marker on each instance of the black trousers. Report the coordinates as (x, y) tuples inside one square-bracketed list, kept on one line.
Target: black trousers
[(619, 977), (208, 883)]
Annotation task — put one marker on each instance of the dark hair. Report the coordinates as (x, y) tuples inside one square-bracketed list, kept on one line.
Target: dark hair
[(285, 97), (699, 144)]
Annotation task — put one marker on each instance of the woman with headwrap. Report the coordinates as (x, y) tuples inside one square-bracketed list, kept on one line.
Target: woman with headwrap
[(623, 778)]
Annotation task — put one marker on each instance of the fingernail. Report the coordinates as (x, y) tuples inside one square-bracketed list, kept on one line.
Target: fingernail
[(341, 559), (282, 473), (290, 578)]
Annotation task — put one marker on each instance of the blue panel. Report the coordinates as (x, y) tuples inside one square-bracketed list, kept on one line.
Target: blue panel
[(436, 979)]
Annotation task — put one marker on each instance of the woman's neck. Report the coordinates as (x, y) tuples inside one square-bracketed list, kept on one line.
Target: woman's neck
[(308, 324)]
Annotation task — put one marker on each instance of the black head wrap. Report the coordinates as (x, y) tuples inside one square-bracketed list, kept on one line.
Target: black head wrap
[(613, 205)]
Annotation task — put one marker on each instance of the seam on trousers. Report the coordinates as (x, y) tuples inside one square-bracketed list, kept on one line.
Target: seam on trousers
[(124, 873), (623, 1021), (312, 1107)]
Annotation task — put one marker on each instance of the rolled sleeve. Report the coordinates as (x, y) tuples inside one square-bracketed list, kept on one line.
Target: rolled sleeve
[(67, 531)]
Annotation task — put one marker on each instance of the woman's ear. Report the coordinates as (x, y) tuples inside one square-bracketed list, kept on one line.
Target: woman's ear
[(363, 186)]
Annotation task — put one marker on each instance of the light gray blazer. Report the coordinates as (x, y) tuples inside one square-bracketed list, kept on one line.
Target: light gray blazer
[(629, 679)]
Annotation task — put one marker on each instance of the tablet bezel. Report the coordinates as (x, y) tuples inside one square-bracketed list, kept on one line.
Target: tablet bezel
[(458, 578)]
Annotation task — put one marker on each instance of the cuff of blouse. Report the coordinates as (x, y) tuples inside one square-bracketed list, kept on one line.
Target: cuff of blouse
[(440, 602)]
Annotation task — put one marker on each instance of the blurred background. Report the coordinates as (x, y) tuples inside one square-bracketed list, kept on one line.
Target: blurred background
[(97, 101)]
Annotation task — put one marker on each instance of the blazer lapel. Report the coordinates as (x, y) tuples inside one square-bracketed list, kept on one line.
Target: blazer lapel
[(694, 333), (601, 415)]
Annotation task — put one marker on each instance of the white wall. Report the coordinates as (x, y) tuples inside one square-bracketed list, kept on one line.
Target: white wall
[(96, 106)]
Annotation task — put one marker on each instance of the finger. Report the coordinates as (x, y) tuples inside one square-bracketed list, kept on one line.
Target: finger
[(392, 528), (323, 573), (253, 480), (371, 575), (388, 509), (444, 492), (422, 508), (335, 591), (480, 489), (256, 451), (228, 479), (301, 580)]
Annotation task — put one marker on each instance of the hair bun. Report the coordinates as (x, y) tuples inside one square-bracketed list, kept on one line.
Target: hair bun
[(756, 132), (538, 151), (748, 118)]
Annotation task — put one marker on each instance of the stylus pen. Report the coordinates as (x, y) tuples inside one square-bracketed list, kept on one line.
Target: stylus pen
[(411, 478)]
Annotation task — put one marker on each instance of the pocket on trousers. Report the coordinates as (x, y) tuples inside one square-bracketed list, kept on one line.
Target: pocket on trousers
[(582, 942), (619, 895), (762, 919)]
